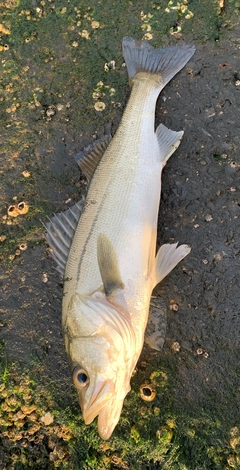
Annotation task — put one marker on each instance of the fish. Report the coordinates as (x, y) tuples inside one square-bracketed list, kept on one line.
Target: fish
[(105, 245)]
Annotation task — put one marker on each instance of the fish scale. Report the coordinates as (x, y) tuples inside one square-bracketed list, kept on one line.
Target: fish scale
[(122, 176)]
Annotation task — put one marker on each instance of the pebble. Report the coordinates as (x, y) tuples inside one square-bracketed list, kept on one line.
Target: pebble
[(26, 174), (47, 419), (44, 278), (176, 346)]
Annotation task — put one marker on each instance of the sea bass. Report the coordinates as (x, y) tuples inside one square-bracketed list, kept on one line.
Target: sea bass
[(105, 246)]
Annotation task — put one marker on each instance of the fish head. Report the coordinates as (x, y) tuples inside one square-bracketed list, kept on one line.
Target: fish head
[(101, 348)]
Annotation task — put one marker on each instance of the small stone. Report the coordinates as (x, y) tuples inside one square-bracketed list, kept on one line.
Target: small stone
[(75, 44), (205, 261), (3, 238), (176, 346), (208, 218), (26, 174), (47, 419), (44, 278), (99, 106), (199, 351), (50, 112), (59, 107)]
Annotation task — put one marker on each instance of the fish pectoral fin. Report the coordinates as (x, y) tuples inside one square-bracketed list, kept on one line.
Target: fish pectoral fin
[(108, 266), (89, 158), (167, 258), (60, 232), (168, 141), (157, 324)]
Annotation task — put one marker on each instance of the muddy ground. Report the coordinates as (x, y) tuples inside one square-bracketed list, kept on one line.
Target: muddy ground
[(194, 422)]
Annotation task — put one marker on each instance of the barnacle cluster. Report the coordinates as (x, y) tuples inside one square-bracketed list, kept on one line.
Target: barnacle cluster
[(25, 423), (18, 209)]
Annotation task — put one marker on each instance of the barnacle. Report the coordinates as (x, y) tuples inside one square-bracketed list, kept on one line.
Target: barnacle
[(13, 211), (22, 246), (23, 207), (147, 392)]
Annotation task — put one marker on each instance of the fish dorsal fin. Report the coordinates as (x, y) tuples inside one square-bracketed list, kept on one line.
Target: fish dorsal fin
[(60, 232), (168, 141), (108, 266), (89, 158)]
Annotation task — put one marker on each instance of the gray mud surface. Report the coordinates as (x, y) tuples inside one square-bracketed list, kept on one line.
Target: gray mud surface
[(200, 206)]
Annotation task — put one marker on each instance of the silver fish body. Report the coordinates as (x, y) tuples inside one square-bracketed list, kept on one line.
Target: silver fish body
[(112, 267)]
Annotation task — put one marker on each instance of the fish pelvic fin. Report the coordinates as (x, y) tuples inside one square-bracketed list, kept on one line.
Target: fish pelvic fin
[(140, 56), (108, 266), (168, 141), (168, 256)]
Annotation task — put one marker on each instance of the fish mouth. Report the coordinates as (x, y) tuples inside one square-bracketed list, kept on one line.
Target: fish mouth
[(105, 404), (109, 416), (102, 393)]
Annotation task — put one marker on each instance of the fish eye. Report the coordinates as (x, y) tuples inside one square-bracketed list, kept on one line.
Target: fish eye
[(80, 377)]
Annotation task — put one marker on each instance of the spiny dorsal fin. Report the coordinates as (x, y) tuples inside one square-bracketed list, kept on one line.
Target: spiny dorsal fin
[(108, 266), (168, 141), (89, 158), (60, 232)]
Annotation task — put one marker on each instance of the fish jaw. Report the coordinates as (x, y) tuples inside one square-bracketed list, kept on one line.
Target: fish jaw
[(105, 404), (109, 416)]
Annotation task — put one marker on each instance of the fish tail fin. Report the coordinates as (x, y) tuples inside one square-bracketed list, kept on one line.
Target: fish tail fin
[(140, 56)]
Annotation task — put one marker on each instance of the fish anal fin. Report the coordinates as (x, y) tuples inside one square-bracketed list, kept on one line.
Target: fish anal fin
[(168, 141), (108, 266), (89, 158), (168, 256), (157, 324), (60, 232)]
